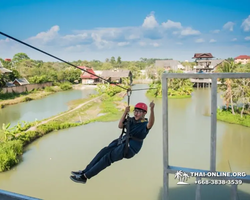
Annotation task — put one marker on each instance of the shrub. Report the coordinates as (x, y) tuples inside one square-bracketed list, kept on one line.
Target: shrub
[(9, 153), (27, 99), (48, 89), (66, 86)]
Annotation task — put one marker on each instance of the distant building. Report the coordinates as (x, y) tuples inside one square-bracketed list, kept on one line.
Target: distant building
[(20, 81), (243, 59), (4, 70), (169, 65), (88, 76), (205, 62), (10, 84), (117, 75)]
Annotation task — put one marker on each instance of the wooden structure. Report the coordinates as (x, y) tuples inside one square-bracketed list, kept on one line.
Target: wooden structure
[(205, 62), (202, 83), (167, 168), (20, 81), (117, 75)]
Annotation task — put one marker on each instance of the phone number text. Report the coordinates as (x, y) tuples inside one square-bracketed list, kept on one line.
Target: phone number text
[(219, 182)]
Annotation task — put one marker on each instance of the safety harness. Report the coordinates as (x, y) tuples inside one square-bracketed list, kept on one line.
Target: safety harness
[(126, 130)]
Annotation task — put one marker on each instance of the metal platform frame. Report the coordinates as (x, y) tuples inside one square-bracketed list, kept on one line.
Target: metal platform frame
[(167, 169)]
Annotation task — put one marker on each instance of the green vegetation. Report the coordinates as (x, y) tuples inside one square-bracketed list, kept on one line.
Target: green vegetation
[(177, 88), (14, 139), (9, 153), (226, 116), (37, 71), (236, 95)]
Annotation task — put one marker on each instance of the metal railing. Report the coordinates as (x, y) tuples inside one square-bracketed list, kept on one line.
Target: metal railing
[(173, 169), (6, 195)]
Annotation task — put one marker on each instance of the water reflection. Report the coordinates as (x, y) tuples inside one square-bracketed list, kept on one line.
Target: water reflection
[(46, 166), (41, 108), (234, 149)]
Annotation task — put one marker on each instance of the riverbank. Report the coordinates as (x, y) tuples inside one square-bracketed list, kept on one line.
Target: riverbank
[(14, 98), (84, 111), (227, 116), (151, 94)]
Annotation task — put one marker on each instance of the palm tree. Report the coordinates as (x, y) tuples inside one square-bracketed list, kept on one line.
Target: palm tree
[(228, 67), (185, 176), (178, 175), (242, 93)]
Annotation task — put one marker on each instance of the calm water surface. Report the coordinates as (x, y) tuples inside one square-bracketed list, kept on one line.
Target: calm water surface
[(41, 108), (45, 169)]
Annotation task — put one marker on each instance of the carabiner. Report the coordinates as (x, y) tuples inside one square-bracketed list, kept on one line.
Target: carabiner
[(129, 92)]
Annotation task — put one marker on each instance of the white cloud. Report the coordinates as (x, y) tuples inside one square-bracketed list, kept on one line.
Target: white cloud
[(229, 26), (105, 41), (141, 43), (199, 40), (133, 36), (246, 24), (99, 42), (150, 21), (47, 36), (189, 31), (123, 44), (234, 39), (215, 31), (74, 48), (155, 44), (170, 24)]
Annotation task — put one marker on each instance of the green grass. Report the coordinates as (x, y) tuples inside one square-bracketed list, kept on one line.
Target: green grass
[(12, 149), (149, 94), (180, 97), (227, 116)]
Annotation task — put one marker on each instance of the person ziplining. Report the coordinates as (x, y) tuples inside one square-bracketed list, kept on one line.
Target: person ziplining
[(126, 146)]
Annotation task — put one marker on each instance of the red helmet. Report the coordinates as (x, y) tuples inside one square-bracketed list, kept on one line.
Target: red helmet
[(142, 106)]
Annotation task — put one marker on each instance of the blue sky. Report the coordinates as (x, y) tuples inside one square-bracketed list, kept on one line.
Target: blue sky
[(99, 29)]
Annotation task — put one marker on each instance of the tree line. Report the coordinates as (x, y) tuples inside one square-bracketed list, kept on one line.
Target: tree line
[(37, 71)]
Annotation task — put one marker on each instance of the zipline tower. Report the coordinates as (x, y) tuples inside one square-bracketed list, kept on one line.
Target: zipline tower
[(168, 169)]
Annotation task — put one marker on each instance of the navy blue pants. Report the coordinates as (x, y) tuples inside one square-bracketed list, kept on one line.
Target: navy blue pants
[(106, 157)]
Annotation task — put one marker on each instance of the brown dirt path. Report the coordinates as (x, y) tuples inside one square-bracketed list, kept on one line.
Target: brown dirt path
[(33, 128)]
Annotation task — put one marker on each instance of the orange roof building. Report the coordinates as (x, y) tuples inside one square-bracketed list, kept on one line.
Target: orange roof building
[(243, 59)]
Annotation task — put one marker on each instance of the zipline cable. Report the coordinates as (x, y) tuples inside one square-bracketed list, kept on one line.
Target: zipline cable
[(69, 63), (58, 58)]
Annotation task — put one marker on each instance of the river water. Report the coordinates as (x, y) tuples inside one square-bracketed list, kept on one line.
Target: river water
[(41, 108), (45, 169)]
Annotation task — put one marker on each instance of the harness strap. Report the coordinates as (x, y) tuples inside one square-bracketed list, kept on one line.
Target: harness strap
[(126, 126), (128, 136)]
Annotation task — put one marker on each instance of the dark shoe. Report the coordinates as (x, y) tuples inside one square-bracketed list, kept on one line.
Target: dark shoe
[(77, 173), (78, 179)]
